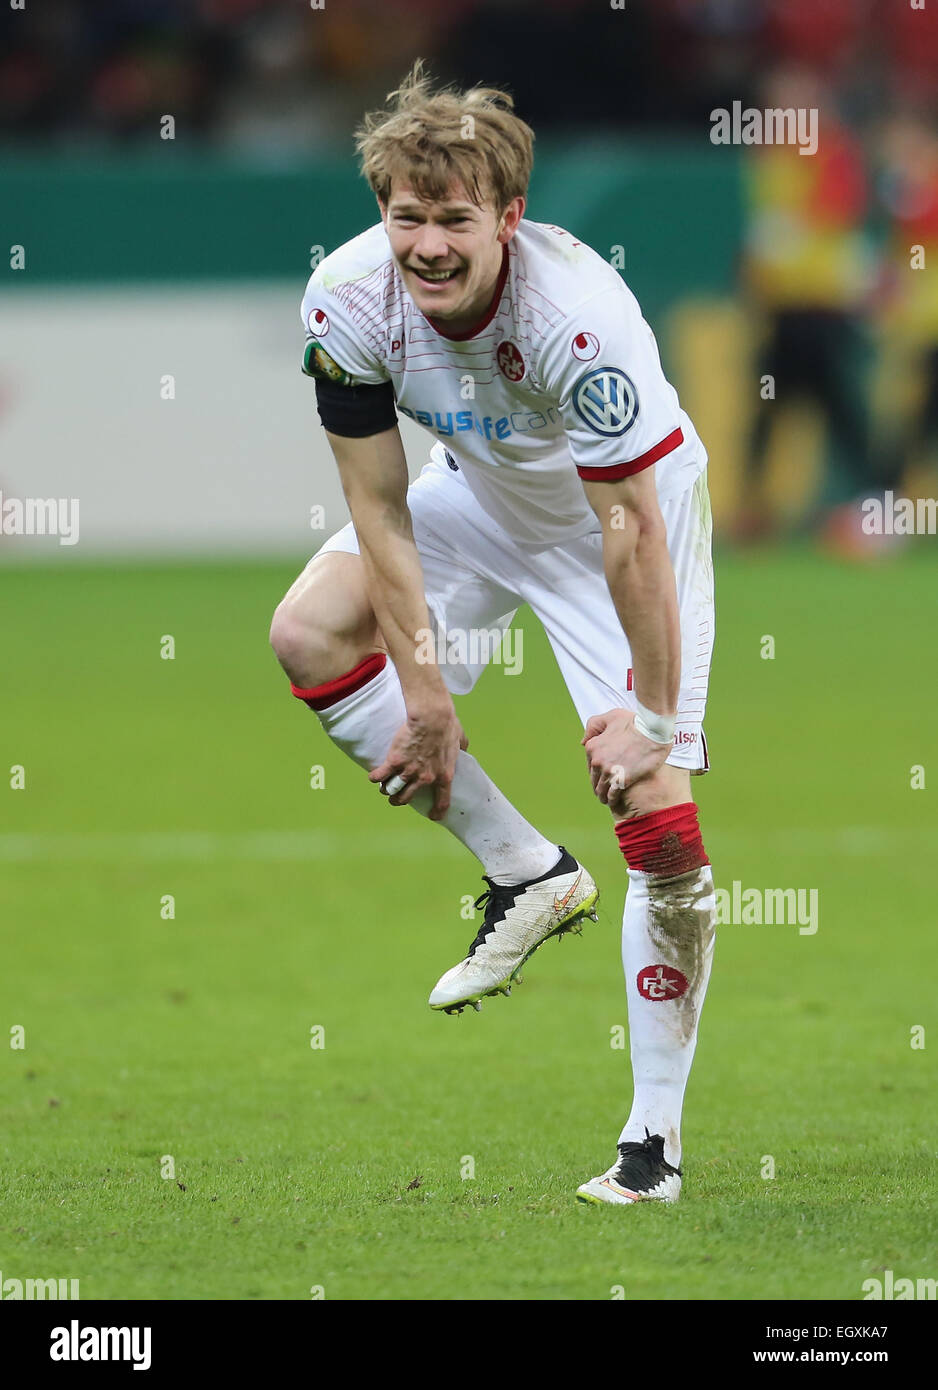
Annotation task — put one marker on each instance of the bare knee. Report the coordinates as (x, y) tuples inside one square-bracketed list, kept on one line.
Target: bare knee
[(324, 625), (670, 786), (294, 643)]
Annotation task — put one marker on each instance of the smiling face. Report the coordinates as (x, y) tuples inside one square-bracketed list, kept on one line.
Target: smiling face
[(449, 252)]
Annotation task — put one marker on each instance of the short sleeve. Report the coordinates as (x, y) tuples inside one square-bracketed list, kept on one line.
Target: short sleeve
[(335, 347), (602, 367)]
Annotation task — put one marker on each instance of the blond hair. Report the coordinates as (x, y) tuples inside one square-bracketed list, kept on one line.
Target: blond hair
[(430, 139)]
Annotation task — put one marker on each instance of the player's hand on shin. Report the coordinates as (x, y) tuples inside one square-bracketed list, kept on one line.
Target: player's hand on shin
[(618, 756), (423, 754)]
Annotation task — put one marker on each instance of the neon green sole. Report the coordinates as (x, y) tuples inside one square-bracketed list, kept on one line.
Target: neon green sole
[(587, 908)]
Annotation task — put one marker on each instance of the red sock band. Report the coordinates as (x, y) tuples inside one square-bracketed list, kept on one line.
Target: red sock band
[(322, 696), (663, 843)]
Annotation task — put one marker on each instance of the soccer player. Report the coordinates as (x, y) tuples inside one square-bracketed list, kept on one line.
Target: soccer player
[(564, 474)]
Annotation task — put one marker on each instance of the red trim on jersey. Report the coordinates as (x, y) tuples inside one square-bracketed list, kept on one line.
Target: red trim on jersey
[(663, 843), (625, 470), (487, 316), (321, 696)]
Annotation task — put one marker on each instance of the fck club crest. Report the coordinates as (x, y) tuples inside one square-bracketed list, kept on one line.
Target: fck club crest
[(659, 982), (510, 362)]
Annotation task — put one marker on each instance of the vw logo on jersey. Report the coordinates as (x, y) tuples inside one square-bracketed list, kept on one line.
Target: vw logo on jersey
[(606, 401), (318, 323)]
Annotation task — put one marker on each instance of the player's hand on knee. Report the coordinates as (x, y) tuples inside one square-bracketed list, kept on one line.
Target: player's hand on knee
[(595, 725), (618, 756)]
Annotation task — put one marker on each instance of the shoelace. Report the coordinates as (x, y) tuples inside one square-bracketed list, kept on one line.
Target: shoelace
[(646, 1145), (496, 900), (651, 1149)]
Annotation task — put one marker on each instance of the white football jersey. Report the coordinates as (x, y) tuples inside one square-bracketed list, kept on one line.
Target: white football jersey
[(561, 378)]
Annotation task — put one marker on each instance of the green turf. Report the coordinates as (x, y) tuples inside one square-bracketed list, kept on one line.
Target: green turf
[(341, 1166)]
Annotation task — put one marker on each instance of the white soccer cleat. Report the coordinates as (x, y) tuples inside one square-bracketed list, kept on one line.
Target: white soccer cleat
[(641, 1173), (518, 918)]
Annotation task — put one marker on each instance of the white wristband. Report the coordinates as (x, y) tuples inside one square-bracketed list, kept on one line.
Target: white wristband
[(658, 727)]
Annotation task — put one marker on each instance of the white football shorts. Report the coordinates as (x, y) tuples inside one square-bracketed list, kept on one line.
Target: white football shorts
[(476, 576)]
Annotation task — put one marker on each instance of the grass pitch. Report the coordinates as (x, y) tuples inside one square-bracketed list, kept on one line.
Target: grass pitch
[(416, 1156)]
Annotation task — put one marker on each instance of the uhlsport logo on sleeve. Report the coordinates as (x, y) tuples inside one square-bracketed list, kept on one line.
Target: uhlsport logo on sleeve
[(606, 401)]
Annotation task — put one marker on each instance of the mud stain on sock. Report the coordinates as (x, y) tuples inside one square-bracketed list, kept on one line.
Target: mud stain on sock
[(683, 932)]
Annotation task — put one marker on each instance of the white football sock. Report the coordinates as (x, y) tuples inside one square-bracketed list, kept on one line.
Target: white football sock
[(510, 850), (668, 931)]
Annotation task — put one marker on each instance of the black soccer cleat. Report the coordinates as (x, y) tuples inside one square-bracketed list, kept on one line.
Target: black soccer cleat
[(641, 1173)]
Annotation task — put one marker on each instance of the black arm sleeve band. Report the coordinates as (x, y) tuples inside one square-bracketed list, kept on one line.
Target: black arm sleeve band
[(355, 411)]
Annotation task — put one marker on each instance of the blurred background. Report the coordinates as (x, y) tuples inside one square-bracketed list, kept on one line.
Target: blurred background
[(149, 333)]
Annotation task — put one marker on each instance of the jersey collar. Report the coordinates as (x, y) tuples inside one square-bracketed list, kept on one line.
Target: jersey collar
[(489, 314)]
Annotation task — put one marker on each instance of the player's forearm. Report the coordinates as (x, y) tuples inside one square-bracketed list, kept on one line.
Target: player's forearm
[(641, 581), (394, 578), (395, 587), (373, 470)]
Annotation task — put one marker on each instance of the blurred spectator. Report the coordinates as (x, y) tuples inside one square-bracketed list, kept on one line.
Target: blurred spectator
[(823, 35), (908, 191), (259, 72), (906, 43), (808, 273), (280, 76)]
